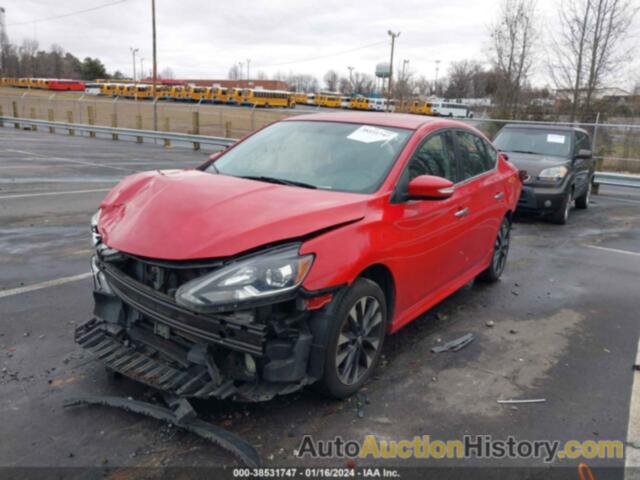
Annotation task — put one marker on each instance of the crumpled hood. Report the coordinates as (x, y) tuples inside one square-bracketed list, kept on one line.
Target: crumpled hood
[(183, 215), (534, 164)]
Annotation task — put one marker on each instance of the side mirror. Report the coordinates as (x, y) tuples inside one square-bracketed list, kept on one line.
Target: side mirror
[(429, 187), (583, 153)]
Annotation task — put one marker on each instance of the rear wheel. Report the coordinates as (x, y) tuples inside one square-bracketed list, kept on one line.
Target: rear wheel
[(500, 253), (355, 339), (561, 215)]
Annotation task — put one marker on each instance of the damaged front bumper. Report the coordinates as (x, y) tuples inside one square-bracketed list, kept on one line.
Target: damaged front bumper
[(140, 331)]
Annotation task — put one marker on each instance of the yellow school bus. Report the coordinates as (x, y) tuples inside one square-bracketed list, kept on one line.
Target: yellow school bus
[(143, 91), (220, 94), (359, 103), (266, 98), (234, 96), (328, 99), (420, 108), (23, 82), (108, 89), (196, 94), (300, 98), (178, 92), (163, 91)]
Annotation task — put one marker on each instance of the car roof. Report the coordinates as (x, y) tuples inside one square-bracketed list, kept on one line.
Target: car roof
[(561, 128), (397, 120)]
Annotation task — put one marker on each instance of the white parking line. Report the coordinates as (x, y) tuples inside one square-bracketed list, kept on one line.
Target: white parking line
[(614, 250), (40, 286), (46, 194), (42, 157), (632, 450)]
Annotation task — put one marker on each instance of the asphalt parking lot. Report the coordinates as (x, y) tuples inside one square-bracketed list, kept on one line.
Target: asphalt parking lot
[(561, 325)]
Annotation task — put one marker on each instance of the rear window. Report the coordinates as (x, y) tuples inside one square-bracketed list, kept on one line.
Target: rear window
[(534, 141)]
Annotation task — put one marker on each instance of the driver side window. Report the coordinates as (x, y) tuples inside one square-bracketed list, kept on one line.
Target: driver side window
[(435, 157)]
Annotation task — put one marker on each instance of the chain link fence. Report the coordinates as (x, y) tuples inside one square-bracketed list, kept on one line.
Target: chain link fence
[(616, 144)]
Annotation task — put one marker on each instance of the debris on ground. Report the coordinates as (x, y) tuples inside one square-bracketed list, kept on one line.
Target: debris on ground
[(490, 324), (455, 345), (527, 400), (181, 414), (513, 331)]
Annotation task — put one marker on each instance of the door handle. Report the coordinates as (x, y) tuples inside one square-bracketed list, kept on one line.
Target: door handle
[(462, 212), (499, 195)]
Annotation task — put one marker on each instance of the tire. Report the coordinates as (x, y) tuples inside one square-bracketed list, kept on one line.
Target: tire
[(561, 216), (582, 202), (500, 254), (348, 349)]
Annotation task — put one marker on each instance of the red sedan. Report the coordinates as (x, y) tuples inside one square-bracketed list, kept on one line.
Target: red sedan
[(286, 259)]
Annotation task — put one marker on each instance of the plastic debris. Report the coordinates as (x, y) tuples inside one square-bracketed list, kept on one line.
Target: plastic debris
[(526, 400), (455, 345)]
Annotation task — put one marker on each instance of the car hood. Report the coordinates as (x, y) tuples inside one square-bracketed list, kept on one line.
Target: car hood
[(534, 164), (184, 215)]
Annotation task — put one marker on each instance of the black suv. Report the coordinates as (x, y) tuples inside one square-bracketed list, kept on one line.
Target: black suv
[(559, 167)]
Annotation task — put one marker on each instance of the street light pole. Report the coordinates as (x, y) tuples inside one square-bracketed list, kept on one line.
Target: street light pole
[(436, 82), (141, 68), (248, 63), (393, 43), (155, 65), (133, 53)]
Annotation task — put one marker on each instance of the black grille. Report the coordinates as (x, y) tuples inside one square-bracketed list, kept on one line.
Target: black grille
[(164, 276)]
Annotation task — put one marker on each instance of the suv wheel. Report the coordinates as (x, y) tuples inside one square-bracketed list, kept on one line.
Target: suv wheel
[(582, 202), (500, 253), (355, 341), (560, 216)]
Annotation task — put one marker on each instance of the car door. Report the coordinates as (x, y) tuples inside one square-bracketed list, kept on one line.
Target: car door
[(428, 236), (483, 187)]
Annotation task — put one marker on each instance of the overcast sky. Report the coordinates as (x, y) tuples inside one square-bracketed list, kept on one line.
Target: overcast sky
[(202, 39)]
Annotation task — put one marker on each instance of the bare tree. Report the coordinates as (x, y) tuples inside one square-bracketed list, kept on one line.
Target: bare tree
[(234, 73), (331, 80), (589, 48), (463, 79), (167, 73), (512, 51)]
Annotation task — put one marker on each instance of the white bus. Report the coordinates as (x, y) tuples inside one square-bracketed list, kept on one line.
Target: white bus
[(450, 109), (311, 98), (93, 88), (380, 104), (344, 102)]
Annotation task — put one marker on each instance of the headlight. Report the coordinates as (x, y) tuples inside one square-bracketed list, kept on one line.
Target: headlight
[(552, 174), (95, 234), (260, 279)]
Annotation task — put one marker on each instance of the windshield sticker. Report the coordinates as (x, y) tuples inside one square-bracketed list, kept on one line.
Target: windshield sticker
[(553, 138), (369, 134)]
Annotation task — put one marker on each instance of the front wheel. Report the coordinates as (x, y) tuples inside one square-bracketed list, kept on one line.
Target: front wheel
[(500, 253), (561, 215), (582, 202), (355, 340)]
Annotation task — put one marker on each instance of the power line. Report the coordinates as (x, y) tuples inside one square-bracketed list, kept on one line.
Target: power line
[(322, 56), (39, 20)]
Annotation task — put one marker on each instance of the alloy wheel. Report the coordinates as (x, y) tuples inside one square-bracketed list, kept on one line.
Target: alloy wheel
[(501, 247), (359, 340)]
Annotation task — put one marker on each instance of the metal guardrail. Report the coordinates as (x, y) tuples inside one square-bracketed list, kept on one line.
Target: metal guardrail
[(617, 179), (118, 131), (601, 178)]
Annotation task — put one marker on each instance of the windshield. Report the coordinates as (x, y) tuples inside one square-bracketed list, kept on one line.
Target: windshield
[(536, 141), (326, 155)]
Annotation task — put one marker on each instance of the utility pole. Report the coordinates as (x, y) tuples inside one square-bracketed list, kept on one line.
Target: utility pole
[(141, 68), (133, 53), (155, 65), (241, 70), (393, 43), (436, 82), (248, 63), (351, 79)]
